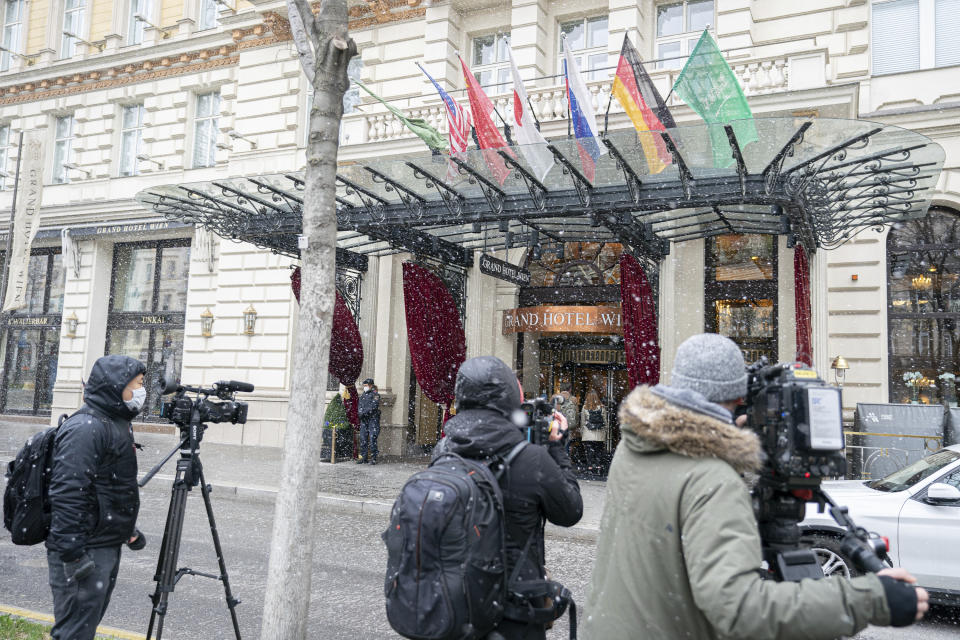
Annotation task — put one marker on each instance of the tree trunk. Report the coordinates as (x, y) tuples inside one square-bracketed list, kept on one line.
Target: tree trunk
[(287, 598)]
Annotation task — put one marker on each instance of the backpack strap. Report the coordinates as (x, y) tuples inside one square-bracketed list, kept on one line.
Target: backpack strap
[(508, 459)]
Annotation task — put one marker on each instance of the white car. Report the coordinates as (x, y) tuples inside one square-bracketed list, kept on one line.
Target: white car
[(916, 508)]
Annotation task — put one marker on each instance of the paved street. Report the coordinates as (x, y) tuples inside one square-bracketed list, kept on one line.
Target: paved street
[(348, 564)]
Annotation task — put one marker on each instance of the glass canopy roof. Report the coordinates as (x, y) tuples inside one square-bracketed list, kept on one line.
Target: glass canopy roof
[(820, 181)]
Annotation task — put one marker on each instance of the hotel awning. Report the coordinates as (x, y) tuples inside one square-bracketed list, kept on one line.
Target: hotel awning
[(819, 181)]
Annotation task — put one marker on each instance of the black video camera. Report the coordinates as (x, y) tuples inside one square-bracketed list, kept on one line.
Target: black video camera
[(539, 419), (183, 410), (798, 418)]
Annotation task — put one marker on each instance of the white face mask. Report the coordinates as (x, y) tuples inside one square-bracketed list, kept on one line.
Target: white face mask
[(136, 402), (365, 389)]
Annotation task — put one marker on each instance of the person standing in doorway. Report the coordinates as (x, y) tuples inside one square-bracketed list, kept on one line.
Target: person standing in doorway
[(369, 410), (593, 432), (568, 406)]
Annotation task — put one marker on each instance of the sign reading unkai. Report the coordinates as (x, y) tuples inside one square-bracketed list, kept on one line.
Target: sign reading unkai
[(566, 319)]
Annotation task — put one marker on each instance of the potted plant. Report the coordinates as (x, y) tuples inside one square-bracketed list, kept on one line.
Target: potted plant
[(337, 432), (948, 383), (913, 378)]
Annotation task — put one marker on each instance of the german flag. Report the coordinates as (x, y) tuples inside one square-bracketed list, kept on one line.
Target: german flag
[(644, 106)]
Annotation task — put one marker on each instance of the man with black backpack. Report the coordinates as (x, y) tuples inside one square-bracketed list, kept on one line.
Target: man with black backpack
[(94, 498), (534, 483)]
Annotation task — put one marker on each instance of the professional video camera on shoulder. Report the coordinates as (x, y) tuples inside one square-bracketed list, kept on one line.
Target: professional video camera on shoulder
[(536, 420), (798, 418)]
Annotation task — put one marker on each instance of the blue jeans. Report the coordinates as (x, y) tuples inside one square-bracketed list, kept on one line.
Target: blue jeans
[(369, 430), (78, 606)]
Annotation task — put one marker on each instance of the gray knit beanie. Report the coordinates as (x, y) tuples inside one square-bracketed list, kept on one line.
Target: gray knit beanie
[(711, 365)]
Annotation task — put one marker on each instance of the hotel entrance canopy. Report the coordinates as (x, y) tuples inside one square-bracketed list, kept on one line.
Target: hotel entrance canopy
[(818, 181)]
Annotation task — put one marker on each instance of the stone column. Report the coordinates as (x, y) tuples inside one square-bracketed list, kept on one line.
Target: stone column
[(442, 36), (637, 16), (530, 40)]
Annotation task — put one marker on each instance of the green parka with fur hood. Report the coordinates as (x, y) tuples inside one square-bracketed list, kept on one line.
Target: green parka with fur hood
[(679, 553)]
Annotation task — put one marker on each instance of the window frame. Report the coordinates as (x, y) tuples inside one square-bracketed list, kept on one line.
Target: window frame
[(590, 74), (202, 7), (685, 34), (15, 47), (198, 121), (68, 45), (927, 37), (124, 131), (136, 28), (61, 175), (497, 67)]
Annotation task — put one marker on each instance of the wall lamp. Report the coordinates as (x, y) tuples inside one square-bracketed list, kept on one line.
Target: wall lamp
[(839, 366), (223, 3), (249, 320), (164, 31), (224, 146), (233, 133), (74, 167), (71, 322), (29, 60), (98, 45), (206, 323), (144, 157)]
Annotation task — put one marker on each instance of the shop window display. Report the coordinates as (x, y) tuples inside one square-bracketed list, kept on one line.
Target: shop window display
[(147, 308), (923, 285), (33, 338)]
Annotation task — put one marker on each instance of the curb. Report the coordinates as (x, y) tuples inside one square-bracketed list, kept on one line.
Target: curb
[(46, 618), (366, 506)]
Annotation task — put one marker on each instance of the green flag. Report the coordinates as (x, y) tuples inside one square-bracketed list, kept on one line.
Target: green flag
[(418, 125), (708, 85)]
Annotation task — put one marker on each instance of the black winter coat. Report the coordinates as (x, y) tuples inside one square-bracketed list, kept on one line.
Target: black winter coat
[(94, 496), (541, 483), (368, 407)]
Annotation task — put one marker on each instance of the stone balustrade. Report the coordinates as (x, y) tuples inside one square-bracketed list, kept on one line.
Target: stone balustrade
[(375, 124)]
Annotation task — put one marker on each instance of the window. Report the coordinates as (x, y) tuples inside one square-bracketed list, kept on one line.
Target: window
[(131, 136), (588, 39), (490, 62), (72, 23), (923, 285), (908, 35), (679, 26), (12, 29), (209, 17), (4, 152), (205, 130), (740, 284), (147, 305), (62, 148), (33, 338), (135, 27)]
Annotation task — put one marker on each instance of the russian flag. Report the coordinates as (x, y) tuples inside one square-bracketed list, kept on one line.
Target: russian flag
[(582, 116)]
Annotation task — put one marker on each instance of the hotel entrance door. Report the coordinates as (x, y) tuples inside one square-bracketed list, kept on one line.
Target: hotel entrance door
[(597, 374)]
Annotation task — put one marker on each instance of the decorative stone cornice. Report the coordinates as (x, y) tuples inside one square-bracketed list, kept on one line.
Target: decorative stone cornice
[(274, 29)]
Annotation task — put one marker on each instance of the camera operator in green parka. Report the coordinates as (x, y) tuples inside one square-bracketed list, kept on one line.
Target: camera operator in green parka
[(679, 554)]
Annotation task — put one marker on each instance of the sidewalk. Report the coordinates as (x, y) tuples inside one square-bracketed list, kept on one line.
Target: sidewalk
[(254, 473)]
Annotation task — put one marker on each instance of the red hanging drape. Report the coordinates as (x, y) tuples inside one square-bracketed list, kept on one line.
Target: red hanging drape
[(437, 344), (801, 293), (639, 324)]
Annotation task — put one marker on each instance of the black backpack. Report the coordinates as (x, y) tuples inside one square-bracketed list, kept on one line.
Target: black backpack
[(446, 553), (595, 419), (26, 500)]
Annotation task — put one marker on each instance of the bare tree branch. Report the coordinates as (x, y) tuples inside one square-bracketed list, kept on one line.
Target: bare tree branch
[(303, 26)]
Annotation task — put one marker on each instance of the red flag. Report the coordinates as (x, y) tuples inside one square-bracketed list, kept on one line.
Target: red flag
[(488, 135)]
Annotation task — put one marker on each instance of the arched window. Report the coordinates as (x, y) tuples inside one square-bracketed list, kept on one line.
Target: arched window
[(923, 284)]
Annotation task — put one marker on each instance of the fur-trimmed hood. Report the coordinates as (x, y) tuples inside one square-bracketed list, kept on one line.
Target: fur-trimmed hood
[(651, 423)]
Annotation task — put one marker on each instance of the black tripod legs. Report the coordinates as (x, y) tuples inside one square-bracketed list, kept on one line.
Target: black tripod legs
[(189, 474)]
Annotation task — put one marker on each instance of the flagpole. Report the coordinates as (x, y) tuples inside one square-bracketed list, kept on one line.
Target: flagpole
[(606, 115)]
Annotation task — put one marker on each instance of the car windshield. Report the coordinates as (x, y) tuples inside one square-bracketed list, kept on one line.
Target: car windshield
[(911, 475)]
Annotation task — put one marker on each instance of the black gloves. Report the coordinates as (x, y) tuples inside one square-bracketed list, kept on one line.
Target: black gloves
[(139, 541), (902, 600), (78, 568)]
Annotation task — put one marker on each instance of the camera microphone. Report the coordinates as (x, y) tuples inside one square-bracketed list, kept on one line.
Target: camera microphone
[(233, 385)]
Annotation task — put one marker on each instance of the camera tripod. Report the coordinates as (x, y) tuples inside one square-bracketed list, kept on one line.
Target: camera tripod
[(189, 474), (780, 509)]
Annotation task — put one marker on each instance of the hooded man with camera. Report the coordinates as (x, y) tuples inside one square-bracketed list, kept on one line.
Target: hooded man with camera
[(540, 484), (94, 497), (679, 553)]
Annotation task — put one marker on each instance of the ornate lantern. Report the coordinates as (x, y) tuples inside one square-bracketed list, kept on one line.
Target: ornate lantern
[(249, 320)]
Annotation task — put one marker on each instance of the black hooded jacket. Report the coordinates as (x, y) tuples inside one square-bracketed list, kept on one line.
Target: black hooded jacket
[(94, 496), (540, 483)]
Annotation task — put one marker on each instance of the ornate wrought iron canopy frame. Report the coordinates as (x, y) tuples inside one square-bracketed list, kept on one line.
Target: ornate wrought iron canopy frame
[(818, 181)]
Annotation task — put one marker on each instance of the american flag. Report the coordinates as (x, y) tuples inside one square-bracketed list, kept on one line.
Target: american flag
[(458, 120)]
